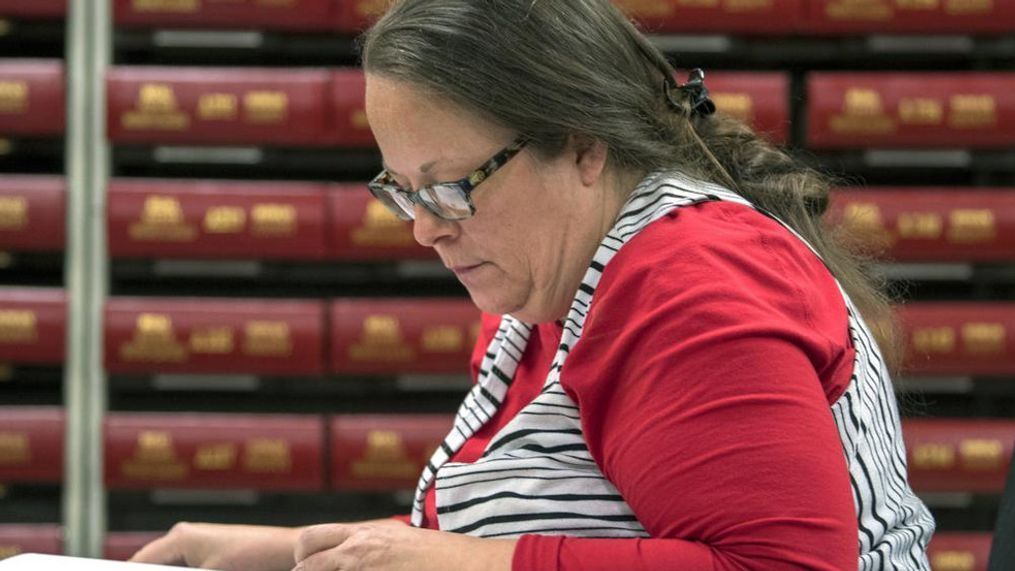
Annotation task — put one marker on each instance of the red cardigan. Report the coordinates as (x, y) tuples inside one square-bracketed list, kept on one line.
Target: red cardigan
[(715, 345)]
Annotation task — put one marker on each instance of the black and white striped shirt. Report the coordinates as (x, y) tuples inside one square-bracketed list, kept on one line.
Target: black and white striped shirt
[(537, 475)]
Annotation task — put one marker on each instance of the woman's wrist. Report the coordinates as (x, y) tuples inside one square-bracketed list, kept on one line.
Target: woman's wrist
[(497, 555)]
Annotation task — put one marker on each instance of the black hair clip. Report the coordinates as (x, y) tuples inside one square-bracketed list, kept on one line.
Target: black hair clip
[(694, 90)]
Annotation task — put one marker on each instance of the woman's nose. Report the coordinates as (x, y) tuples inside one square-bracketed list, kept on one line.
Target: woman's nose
[(428, 228)]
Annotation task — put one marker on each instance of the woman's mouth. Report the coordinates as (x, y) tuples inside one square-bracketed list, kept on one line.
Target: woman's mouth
[(465, 271)]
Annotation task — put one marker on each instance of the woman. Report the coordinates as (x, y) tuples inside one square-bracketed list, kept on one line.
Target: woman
[(669, 375)]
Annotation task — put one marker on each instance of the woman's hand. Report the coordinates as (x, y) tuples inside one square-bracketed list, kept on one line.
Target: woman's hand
[(223, 547), (371, 547)]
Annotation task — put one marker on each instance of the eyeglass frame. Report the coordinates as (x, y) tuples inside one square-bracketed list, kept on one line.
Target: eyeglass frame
[(384, 184)]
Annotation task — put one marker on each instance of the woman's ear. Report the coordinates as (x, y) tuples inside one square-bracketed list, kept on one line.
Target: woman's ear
[(590, 158)]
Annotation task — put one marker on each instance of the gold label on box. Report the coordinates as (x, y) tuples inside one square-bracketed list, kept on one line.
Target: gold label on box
[(920, 225), (863, 224), (218, 107), (382, 228), (934, 340), (13, 97), (266, 106), (443, 339), (877, 10), (277, 3), (747, 5), (154, 341), (739, 105), (983, 337), (981, 454), (14, 449), (862, 112), (225, 220), (864, 217), (381, 340), (156, 109), (167, 6), (215, 457), (274, 219), (967, 7), (154, 446), (922, 5), (154, 458), (267, 455), (972, 112), (933, 456), (267, 339), (7, 551), (13, 213), (18, 326), (359, 120), (953, 561), (921, 111), (162, 221), (214, 340), (385, 457), (971, 225), (698, 3), (372, 8)]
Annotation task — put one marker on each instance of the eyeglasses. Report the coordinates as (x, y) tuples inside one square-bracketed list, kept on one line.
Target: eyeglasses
[(447, 200)]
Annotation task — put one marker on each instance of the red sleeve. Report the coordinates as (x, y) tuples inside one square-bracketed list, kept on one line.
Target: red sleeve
[(714, 347)]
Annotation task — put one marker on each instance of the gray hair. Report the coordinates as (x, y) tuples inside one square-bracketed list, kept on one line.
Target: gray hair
[(547, 69)]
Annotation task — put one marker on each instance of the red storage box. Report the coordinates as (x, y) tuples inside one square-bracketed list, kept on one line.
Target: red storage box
[(715, 17), (32, 325), (17, 539), (959, 338), (257, 14), (958, 455), (199, 105), (32, 213), (383, 451), (349, 126), (31, 445), (122, 545), (968, 551), (918, 110), (759, 99), (164, 335), (216, 219), (402, 336), (902, 17), (214, 451), (32, 99), (364, 229), (927, 224), (33, 8)]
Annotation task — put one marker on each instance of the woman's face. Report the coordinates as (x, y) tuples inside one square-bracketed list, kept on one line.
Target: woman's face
[(537, 222)]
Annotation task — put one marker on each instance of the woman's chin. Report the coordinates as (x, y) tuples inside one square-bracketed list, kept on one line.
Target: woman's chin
[(492, 303)]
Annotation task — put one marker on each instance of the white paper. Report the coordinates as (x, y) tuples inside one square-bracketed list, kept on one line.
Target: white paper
[(36, 562)]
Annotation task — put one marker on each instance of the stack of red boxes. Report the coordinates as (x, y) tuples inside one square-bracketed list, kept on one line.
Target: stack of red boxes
[(32, 317), (958, 227)]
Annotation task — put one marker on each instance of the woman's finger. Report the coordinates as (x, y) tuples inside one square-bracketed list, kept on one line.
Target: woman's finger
[(319, 538), (163, 551), (330, 560)]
